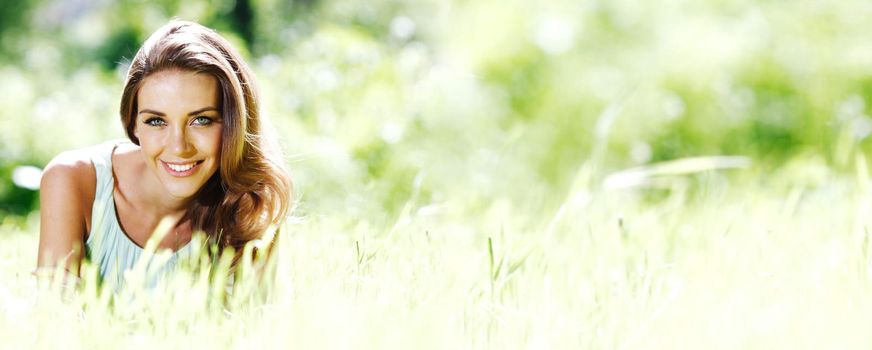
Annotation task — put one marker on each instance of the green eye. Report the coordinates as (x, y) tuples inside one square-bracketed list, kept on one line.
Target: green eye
[(155, 122), (202, 121)]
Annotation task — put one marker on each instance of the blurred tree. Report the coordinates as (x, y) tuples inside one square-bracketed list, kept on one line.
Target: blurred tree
[(242, 21), (121, 44), (14, 16)]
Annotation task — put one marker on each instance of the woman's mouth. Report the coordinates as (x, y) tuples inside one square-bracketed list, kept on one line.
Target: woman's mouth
[(181, 169)]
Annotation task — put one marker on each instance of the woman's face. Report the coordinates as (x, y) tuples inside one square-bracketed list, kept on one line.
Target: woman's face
[(178, 124)]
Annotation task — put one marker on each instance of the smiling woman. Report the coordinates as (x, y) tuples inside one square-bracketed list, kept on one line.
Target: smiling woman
[(196, 158)]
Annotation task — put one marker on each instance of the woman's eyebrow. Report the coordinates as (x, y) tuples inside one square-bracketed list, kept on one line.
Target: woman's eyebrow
[(204, 109), (201, 110), (150, 111)]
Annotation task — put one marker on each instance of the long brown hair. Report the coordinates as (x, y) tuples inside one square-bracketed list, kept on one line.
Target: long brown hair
[(251, 191)]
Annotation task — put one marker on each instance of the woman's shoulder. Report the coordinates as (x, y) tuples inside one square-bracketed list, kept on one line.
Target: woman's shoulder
[(67, 193), (126, 149), (77, 163), (76, 167), (66, 190)]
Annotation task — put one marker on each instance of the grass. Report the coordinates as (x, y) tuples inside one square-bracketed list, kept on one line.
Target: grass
[(722, 263)]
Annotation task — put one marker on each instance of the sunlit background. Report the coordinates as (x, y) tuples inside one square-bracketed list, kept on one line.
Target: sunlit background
[(480, 117), (482, 100)]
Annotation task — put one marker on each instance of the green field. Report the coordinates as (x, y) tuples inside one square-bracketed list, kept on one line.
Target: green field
[(487, 174), (736, 267)]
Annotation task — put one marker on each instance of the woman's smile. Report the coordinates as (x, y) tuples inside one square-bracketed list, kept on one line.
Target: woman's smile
[(181, 169)]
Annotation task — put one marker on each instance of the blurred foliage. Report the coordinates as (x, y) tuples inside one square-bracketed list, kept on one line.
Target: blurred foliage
[(473, 101)]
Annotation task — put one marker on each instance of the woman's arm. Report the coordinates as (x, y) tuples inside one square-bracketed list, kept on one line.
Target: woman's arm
[(66, 188)]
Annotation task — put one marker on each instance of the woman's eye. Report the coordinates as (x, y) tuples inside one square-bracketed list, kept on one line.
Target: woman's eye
[(202, 121), (155, 122)]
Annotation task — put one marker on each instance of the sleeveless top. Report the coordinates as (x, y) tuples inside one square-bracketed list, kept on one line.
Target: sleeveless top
[(107, 245)]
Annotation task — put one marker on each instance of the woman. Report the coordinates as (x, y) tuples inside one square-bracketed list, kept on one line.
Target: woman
[(196, 155)]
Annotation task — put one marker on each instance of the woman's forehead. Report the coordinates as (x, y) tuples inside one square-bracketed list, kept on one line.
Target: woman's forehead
[(178, 92)]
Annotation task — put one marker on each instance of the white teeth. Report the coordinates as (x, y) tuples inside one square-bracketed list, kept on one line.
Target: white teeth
[(181, 168)]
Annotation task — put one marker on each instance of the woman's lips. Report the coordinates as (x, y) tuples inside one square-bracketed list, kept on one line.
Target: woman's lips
[(181, 169)]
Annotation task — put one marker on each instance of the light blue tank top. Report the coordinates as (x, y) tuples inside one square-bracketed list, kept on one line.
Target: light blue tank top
[(107, 245)]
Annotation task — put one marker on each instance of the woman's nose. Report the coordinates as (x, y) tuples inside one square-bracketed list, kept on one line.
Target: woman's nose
[(178, 142)]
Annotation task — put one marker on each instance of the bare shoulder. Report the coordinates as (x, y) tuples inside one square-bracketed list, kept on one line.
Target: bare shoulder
[(68, 185), (127, 152), (66, 193), (71, 168)]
